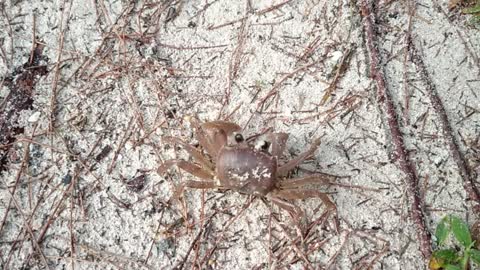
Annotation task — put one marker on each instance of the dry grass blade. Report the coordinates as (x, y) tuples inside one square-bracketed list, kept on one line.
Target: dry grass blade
[(340, 70)]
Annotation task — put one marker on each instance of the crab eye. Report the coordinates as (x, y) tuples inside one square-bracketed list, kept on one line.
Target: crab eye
[(262, 145), (265, 145), (238, 138)]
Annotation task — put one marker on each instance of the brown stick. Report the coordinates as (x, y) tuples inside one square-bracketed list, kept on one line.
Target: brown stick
[(23, 165), (274, 7), (468, 176), (386, 104), (28, 228)]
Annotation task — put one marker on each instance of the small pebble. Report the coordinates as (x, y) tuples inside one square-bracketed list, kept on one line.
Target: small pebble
[(34, 117), (67, 179)]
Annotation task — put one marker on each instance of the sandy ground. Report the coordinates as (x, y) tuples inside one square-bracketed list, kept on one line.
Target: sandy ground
[(123, 75)]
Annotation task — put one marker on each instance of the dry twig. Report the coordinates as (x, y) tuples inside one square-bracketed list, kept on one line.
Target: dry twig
[(386, 104), (468, 175)]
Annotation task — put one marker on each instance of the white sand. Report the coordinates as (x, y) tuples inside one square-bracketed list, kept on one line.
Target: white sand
[(189, 66)]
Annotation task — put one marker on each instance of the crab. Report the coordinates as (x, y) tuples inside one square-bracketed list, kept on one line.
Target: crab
[(229, 161)]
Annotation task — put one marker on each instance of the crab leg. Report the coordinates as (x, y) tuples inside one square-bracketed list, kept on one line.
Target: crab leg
[(212, 136), (186, 166), (226, 126), (218, 131), (193, 184), (289, 207), (318, 178), (197, 155), (203, 138), (285, 168), (279, 142), (293, 194)]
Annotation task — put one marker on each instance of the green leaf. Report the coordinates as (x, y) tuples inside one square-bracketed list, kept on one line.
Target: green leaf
[(448, 255), (442, 231), (460, 230), (475, 9), (475, 255), (452, 267)]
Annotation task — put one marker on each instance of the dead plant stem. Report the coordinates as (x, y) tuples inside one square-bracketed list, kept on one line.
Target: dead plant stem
[(387, 107)]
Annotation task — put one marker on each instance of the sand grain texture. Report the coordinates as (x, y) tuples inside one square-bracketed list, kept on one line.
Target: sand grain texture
[(79, 187)]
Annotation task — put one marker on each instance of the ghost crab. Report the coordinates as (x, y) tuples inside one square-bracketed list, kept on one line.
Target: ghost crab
[(231, 162)]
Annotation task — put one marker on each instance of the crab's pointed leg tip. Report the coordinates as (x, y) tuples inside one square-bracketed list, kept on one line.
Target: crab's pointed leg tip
[(161, 170)]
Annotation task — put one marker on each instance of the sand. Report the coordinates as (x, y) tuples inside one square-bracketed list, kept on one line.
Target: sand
[(123, 75)]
